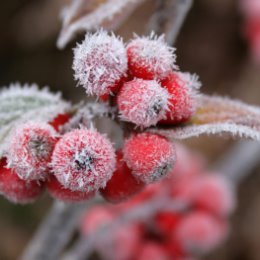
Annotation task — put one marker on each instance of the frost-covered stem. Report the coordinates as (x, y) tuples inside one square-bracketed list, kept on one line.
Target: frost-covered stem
[(54, 232), (83, 247), (239, 161), (169, 17)]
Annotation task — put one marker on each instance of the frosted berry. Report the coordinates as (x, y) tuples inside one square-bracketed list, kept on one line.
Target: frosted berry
[(83, 160), (100, 62), (220, 197), (149, 156), (95, 219), (153, 251), (57, 191), (182, 88), (123, 184), (59, 121), (142, 102), (17, 190), (30, 150), (150, 57), (199, 232)]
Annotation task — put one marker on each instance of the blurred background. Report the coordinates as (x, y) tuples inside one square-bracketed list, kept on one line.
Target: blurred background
[(211, 44)]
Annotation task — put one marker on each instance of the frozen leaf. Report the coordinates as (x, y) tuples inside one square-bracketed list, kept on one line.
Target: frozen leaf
[(216, 115), (22, 103), (84, 15)]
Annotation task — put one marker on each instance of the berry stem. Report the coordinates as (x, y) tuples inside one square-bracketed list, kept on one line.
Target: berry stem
[(55, 231)]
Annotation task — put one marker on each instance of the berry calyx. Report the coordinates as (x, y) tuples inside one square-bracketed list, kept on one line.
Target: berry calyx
[(17, 190), (150, 57), (149, 156), (122, 184), (100, 62), (182, 88), (83, 160), (142, 102), (30, 150), (57, 191)]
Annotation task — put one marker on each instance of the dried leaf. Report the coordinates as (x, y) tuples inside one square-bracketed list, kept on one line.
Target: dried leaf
[(22, 103), (216, 115), (84, 15)]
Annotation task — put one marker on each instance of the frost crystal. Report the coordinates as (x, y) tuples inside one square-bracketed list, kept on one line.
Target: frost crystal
[(142, 102), (99, 62), (150, 57), (83, 160)]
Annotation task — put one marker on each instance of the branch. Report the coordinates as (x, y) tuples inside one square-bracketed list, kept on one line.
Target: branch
[(55, 232), (169, 18)]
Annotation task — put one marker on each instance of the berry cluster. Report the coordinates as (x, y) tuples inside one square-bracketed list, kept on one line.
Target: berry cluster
[(72, 166), (165, 233), (251, 12), (141, 78)]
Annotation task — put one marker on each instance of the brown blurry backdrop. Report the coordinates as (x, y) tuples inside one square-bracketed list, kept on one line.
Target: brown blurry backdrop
[(210, 44)]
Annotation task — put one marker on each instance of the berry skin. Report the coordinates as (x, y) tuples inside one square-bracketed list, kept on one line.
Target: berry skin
[(149, 156), (220, 198), (59, 120), (57, 191), (182, 88), (83, 160), (199, 232), (30, 150), (153, 251), (122, 185), (150, 58), (142, 102), (17, 190), (100, 62)]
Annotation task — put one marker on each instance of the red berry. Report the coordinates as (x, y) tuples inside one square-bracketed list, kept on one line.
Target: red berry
[(149, 156), (57, 191), (153, 251), (59, 121), (199, 232), (123, 184), (219, 199), (150, 57), (182, 89), (17, 190), (142, 102), (30, 150), (100, 62), (83, 160), (95, 219)]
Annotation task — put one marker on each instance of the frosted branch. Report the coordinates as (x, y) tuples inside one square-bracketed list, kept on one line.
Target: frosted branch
[(87, 15), (169, 17)]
